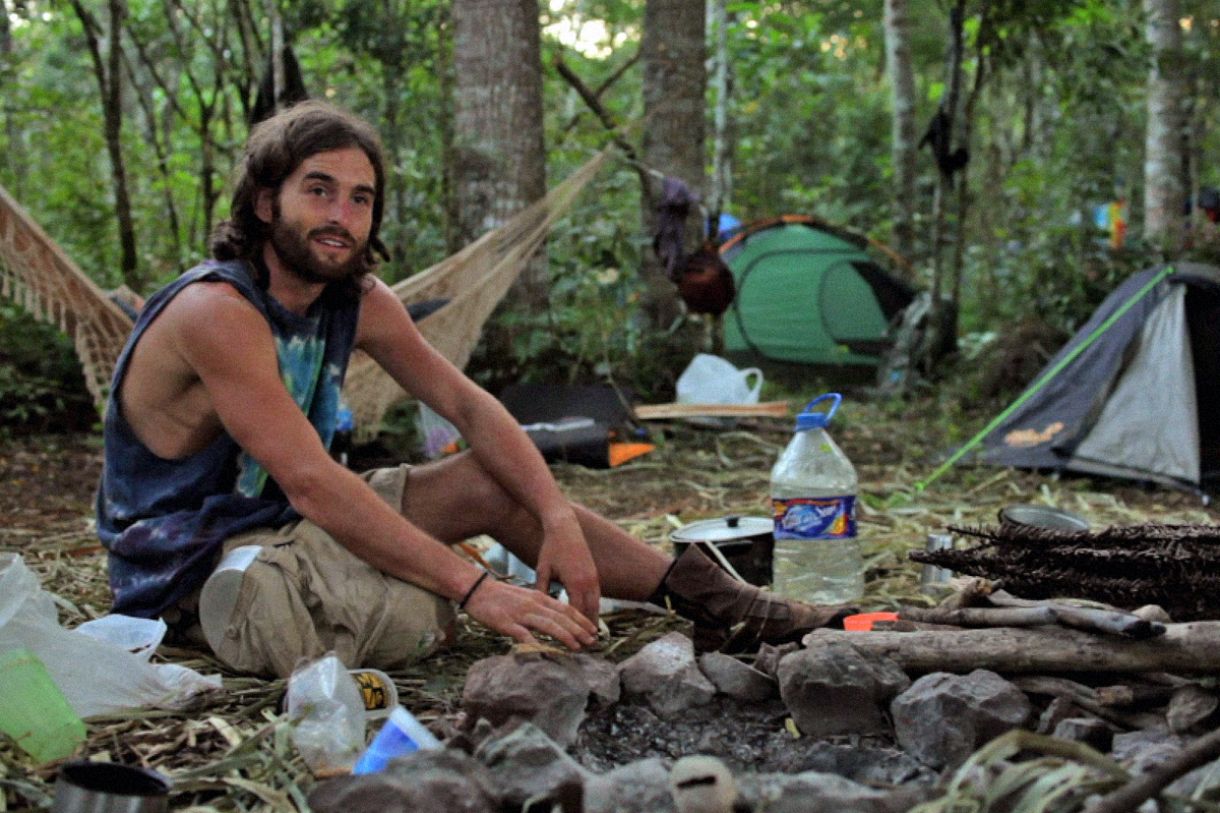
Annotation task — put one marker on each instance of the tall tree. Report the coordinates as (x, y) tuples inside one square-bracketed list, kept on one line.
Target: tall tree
[(1164, 192), (498, 162), (106, 68), (675, 80), (903, 145), (722, 152)]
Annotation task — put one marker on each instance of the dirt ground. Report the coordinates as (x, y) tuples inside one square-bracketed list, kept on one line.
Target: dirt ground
[(231, 751)]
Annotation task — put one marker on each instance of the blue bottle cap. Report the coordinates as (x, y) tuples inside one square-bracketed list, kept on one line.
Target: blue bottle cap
[(807, 419)]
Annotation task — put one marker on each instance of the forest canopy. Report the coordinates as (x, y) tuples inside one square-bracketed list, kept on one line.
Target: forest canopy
[(122, 120)]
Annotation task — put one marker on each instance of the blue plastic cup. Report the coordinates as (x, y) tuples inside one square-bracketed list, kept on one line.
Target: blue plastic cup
[(400, 735)]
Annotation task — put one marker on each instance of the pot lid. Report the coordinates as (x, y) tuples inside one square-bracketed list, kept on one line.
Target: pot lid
[(725, 529), (1043, 516)]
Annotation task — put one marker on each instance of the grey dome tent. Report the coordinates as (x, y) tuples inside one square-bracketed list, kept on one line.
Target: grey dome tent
[(1135, 393), (809, 293)]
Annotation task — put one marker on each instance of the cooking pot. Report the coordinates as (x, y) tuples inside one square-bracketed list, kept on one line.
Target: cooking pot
[(746, 542)]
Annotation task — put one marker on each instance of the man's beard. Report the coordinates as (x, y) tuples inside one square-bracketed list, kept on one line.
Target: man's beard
[(293, 248)]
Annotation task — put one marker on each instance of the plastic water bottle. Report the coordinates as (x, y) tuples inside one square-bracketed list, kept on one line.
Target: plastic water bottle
[(813, 497)]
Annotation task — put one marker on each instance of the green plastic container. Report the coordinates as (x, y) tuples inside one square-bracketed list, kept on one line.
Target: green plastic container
[(33, 711)]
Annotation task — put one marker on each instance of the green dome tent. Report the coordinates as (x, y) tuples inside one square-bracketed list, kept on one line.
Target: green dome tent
[(808, 293)]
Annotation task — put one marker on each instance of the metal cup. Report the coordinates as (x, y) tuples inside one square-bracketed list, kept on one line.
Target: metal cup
[(104, 787), (933, 577)]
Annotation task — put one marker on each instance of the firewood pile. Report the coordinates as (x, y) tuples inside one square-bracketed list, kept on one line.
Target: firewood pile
[(1174, 566)]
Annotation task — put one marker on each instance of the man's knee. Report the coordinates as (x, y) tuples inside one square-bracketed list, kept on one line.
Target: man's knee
[(458, 494)]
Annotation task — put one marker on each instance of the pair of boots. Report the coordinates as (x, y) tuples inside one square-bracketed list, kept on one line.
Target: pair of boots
[(735, 616)]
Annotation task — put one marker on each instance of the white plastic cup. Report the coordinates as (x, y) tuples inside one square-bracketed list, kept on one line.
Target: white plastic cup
[(401, 734)]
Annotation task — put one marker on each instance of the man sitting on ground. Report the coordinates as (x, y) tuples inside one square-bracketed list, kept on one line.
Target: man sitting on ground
[(224, 402)]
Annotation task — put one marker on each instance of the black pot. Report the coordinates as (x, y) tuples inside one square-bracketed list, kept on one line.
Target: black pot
[(745, 542)]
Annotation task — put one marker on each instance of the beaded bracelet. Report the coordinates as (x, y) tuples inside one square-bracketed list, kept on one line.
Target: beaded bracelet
[(473, 587)]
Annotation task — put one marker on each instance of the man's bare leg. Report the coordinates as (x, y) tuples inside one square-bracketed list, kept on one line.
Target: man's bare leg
[(455, 498)]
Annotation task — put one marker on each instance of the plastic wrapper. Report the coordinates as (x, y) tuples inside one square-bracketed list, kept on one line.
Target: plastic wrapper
[(101, 667), (327, 715)]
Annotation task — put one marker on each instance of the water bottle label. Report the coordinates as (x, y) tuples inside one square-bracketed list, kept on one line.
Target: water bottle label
[(815, 517)]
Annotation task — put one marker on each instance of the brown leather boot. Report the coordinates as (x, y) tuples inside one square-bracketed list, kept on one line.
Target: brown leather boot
[(732, 615)]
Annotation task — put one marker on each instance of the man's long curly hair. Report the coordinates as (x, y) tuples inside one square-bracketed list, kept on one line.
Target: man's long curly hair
[(275, 149)]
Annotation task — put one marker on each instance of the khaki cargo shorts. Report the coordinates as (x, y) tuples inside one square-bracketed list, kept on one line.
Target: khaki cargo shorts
[(304, 594)]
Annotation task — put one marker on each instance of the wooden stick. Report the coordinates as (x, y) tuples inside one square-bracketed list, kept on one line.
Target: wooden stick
[(982, 616), (1114, 622), (1184, 648), (654, 412)]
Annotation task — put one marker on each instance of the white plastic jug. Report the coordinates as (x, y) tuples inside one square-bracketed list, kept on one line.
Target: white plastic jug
[(710, 379)]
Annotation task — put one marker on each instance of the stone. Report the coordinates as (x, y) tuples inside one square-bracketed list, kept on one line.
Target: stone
[(666, 675), (641, 786), (551, 693), (601, 677), (835, 688), (1189, 706), (943, 718), (434, 781), (1149, 748), (875, 765), (769, 655), (814, 792), (1141, 751), (1058, 710), (737, 679), (1091, 731), (527, 763)]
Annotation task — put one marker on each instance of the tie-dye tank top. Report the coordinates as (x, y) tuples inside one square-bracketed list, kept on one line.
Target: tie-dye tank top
[(164, 521)]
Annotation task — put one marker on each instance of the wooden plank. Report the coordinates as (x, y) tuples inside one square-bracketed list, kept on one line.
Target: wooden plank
[(658, 412)]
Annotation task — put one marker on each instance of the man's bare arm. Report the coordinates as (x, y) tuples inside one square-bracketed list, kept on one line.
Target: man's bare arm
[(388, 334), (229, 345)]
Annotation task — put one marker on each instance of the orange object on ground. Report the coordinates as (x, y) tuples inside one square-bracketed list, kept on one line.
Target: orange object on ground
[(863, 622), (620, 453)]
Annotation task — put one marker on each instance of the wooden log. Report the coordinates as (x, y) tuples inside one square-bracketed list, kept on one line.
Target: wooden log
[(1090, 619), (982, 616), (655, 412), (1184, 648)]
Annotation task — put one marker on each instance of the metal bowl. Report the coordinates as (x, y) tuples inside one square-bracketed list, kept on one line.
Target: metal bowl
[(105, 787), (1042, 516)]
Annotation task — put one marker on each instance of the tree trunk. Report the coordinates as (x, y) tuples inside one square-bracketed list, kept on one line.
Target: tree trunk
[(675, 79), (110, 85), (12, 144), (722, 151), (903, 129), (1163, 192), (944, 182), (498, 160)]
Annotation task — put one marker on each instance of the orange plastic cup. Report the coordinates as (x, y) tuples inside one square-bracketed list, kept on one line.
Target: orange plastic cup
[(863, 622)]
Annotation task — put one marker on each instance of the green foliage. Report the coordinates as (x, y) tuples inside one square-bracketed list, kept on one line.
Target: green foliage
[(41, 386), (1058, 129)]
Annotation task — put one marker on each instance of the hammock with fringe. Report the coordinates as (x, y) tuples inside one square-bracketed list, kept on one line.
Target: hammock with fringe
[(39, 276)]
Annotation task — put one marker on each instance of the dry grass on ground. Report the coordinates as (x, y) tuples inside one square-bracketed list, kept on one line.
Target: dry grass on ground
[(233, 751)]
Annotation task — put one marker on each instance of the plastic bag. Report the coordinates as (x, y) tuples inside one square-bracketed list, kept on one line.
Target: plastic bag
[(437, 434), (328, 716), (94, 667), (710, 379)]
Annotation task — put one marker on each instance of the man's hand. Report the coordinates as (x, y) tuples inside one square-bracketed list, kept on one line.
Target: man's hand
[(519, 612), (565, 558)]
